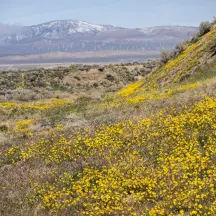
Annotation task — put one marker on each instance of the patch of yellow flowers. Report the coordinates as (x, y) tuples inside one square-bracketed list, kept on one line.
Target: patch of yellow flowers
[(135, 94), (164, 165), (22, 127), (39, 105)]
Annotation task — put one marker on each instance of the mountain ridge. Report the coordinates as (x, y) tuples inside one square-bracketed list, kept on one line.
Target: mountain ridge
[(76, 26), (79, 36)]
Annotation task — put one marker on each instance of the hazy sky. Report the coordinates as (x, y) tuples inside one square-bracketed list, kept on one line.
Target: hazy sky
[(128, 13)]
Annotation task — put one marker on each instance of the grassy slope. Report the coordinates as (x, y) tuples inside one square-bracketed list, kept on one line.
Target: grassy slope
[(184, 66), (150, 150)]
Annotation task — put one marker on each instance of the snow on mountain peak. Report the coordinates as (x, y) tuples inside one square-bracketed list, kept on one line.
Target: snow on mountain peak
[(69, 27)]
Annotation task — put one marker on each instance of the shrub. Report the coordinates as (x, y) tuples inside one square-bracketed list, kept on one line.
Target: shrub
[(3, 128), (181, 47), (101, 69), (145, 71), (110, 77), (166, 56), (194, 39), (204, 28), (77, 78)]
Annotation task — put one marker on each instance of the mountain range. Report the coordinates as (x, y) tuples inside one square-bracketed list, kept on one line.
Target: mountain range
[(80, 36)]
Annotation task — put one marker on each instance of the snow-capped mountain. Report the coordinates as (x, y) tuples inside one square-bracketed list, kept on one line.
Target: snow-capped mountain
[(58, 29), (78, 36)]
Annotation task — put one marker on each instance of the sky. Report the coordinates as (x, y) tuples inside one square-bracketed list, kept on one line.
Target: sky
[(125, 13)]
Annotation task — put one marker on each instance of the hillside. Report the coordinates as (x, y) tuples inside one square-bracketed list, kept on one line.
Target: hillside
[(79, 36), (191, 63), (148, 148)]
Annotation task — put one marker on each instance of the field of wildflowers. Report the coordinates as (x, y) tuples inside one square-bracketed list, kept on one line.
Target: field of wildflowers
[(149, 149), (162, 165)]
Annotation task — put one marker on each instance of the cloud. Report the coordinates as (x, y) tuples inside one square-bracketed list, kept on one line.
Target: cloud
[(8, 29)]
